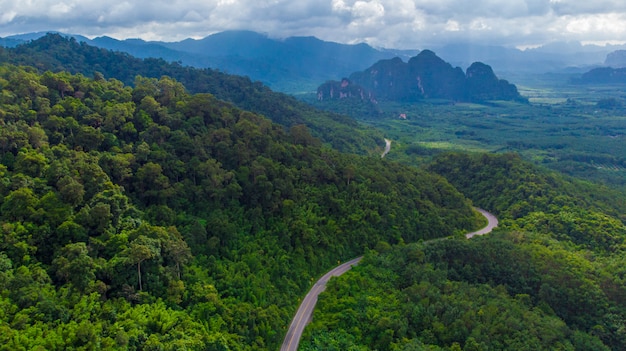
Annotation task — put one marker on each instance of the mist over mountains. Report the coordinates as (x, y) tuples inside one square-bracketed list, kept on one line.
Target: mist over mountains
[(298, 64)]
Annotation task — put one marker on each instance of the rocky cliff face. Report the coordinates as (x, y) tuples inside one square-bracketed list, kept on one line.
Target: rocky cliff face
[(435, 78), (425, 76), (482, 84), (344, 89)]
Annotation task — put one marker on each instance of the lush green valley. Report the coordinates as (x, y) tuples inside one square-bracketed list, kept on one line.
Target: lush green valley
[(148, 218), (550, 278), (576, 130)]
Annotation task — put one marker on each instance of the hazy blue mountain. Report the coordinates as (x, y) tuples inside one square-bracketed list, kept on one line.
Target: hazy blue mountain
[(10, 43), (289, 65), (552, 57), (279, 62), (612, 72), (250, 44), (25, 37), (616, 59), (603, 75), (137, 48), (425, 76), (230, 43)]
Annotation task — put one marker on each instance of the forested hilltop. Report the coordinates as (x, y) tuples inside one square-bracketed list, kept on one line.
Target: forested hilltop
[(56, 53), (550, 278), (145, 217), (603, 75)]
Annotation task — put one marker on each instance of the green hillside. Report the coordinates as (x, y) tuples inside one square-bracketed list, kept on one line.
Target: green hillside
[(56, 54), (145, 217)]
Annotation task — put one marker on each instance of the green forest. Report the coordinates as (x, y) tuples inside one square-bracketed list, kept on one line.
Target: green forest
[(145, 217)]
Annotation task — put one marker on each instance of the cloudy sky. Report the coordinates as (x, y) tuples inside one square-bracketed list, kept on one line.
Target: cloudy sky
[(406, 24)]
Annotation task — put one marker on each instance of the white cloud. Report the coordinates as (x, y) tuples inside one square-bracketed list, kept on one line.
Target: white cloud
[(453, 26), (478, 25), (340, 6), (7, 17), (390, 23), (605, 23), (60, 9)]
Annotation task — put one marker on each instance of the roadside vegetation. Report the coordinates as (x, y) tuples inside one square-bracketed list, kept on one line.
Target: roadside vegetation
[(549, 278)]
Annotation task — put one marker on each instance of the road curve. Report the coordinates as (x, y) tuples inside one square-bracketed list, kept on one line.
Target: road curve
[(305, 311), (387, 148), (492, 222)]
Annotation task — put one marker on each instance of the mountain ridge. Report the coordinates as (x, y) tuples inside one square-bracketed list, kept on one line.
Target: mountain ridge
[(425, 76), (285, 65)]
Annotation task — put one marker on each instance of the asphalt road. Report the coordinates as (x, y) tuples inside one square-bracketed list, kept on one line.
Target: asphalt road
[(387, 148), (305, 311), (492, 222)]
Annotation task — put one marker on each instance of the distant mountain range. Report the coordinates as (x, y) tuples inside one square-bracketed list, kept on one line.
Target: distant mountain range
[(425, 76), (300, 64), (603, 75), (570, 57), (290, 65), (613, 71)]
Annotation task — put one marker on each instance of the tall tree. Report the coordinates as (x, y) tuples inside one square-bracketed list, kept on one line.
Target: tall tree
[(140, 250)]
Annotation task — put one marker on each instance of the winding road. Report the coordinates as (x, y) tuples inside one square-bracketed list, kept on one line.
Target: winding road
[(305, 311), (492, 222), (387, 148)]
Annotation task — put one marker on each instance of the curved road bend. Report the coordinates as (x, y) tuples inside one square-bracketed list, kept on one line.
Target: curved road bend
[(305, 311), (492, 222), (387, 148)]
